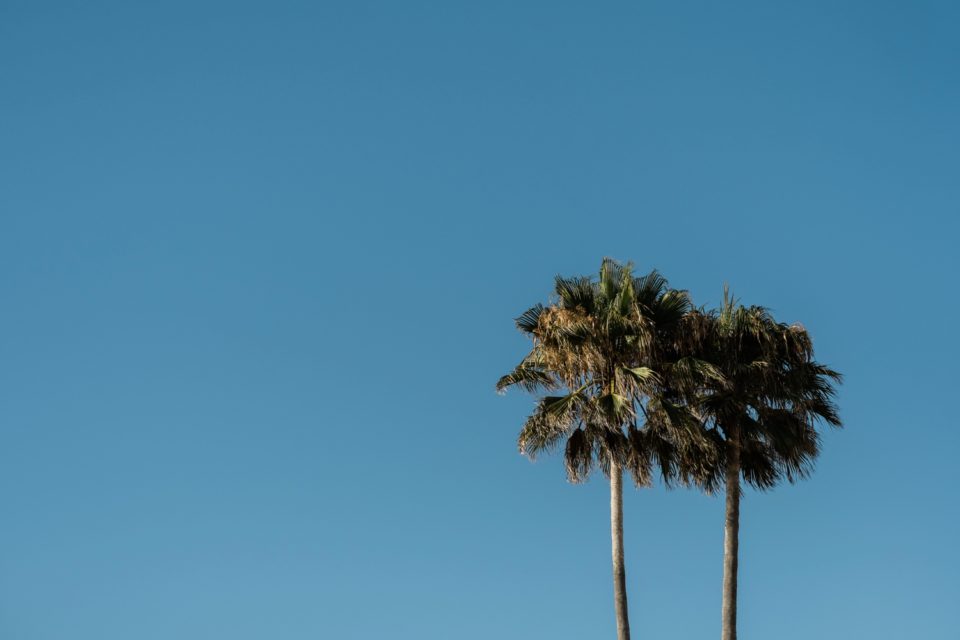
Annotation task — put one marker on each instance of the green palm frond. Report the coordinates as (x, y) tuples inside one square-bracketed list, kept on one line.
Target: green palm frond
[(639, 381), (691, 372), (579, 292), (614, 410), (530, 375), (612, 276), (625, 298), (528, 321), (650, 288), (671, 307)]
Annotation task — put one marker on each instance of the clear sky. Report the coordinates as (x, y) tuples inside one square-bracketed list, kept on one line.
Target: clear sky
[(258, 269)]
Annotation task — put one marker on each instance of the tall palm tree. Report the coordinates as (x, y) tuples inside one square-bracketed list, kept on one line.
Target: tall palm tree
[(762, 396), (595, 343)]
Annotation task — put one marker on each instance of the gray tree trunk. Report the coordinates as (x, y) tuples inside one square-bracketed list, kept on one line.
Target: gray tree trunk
[(616, 533), (731, 541)]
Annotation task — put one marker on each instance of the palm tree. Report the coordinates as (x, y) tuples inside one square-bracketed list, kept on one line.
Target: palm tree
[(596, 343), (762, 397)]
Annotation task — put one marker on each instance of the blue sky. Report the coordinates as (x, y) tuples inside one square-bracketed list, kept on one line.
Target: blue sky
[(258, 269)]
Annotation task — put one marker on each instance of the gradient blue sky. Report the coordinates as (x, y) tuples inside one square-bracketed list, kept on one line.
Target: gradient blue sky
[(258, 269)]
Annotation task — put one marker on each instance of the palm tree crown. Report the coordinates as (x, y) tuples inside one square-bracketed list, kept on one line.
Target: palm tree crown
[(600, 342)]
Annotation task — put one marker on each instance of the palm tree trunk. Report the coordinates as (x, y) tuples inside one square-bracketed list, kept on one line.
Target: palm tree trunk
[(616, 533), (731, 540)]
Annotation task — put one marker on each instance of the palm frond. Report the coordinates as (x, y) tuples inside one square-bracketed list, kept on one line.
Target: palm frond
[(650, 288), (546, 426), (528, 320), (575, 293), (530, 375)]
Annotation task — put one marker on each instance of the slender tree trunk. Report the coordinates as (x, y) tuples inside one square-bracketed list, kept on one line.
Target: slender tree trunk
[(616, 533), (731, 540)]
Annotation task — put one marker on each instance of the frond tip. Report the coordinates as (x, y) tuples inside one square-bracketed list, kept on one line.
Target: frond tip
[(529, 376)]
